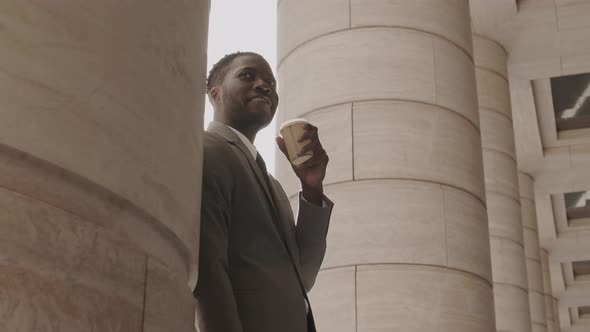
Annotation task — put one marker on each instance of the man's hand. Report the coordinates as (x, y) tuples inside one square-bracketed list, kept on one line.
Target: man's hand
[(312, 172)]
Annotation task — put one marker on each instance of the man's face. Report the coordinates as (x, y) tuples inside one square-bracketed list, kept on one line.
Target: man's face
[(248, 95)]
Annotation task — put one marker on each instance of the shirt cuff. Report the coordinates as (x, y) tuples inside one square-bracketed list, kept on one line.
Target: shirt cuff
[(324, 203)]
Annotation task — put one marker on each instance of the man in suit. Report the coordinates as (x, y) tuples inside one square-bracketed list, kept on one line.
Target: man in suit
[(256, 264)]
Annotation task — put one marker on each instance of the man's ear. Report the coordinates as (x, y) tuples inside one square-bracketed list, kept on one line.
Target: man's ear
[(215, 95)]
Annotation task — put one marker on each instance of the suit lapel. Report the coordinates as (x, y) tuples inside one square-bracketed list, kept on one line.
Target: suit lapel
[(283, 222), (233, 139), (285, 231)]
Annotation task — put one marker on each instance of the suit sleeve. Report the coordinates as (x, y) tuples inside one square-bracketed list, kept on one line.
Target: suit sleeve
[(311, 232), (216, 306)]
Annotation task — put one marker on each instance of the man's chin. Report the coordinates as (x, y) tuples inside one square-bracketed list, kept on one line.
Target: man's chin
[(259, 117), (265, 121), (264, 114)]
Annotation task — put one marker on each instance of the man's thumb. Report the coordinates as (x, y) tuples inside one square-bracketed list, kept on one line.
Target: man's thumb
[(282, 147)]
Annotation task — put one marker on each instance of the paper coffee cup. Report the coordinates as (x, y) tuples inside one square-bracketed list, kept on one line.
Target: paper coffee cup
[(292, 131)]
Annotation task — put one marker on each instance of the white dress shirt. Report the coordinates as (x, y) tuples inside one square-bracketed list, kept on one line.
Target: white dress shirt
[(251, 148)]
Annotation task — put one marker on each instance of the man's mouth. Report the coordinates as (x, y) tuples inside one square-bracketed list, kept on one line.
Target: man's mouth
[(259, 100)]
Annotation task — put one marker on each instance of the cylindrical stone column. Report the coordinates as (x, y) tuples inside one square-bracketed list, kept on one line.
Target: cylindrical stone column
[(556, 314), (391, 86), (532, 253), (503, 197), (100, 163), (550, 313)]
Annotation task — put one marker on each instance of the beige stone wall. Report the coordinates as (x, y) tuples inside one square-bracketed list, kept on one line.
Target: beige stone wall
[(509, 269), (391, 86), (100, 122)]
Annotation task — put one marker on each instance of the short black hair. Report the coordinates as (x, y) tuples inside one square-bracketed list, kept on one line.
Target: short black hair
[(218, 71)]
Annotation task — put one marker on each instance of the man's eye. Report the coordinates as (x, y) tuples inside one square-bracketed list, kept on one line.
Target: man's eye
[(247, 75)]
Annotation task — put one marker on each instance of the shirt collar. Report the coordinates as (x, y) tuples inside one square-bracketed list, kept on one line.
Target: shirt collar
[(251, 148)]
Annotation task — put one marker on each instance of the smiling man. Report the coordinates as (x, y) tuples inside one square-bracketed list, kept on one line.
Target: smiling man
[(256, 264)]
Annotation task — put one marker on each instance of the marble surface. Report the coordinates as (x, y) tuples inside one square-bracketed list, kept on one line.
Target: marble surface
[(422, 68), (450, 232), (405, 140), (333, 300), (112, 97), (410, 209), (60, 272), (510, 265), (100, 163), (453, 301)]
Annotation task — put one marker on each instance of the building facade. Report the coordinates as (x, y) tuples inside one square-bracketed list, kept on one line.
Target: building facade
[(459, 144)]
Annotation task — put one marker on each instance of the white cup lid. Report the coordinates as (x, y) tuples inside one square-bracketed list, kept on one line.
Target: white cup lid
[(292, 121)]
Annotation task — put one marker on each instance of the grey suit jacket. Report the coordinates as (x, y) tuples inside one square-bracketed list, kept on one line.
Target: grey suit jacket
[(255, 265)]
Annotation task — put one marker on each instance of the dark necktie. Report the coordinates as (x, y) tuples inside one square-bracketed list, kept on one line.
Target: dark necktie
[(262, 167)]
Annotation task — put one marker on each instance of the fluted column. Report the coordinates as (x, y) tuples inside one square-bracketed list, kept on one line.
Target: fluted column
[(550, 312), (502, 193), (100, 127), (532, 253), (391, 86)]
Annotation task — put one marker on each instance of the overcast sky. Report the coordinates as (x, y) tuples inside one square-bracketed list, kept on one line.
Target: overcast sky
[(240, 25)]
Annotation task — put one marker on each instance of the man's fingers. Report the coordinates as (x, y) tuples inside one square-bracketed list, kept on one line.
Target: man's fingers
[(319, 159), (318, 156), (309, 134), (282, 146), (310, 147)]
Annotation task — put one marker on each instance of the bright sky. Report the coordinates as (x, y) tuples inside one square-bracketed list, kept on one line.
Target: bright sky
[(239, 25)]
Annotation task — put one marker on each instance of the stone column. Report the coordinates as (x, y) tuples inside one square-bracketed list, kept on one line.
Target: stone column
[(550, 313), (100, 163), (532, 253), (556, 314), (502, 193), (391, 86)]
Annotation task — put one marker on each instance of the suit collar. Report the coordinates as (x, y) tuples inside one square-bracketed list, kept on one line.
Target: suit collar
[(225, 131), (251, 148)]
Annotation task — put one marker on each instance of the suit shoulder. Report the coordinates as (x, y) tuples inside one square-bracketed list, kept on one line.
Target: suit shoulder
[(211, 139), (214, 144), (217, 152)]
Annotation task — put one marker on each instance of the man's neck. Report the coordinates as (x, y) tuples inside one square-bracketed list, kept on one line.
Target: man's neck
[(249, 132)]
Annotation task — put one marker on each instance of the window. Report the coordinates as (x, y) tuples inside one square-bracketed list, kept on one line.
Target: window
[(584, 312), (571, 101), (581, 271), (577, 207)]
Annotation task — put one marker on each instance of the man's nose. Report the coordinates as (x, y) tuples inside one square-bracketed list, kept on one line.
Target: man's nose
[(264, 88)]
